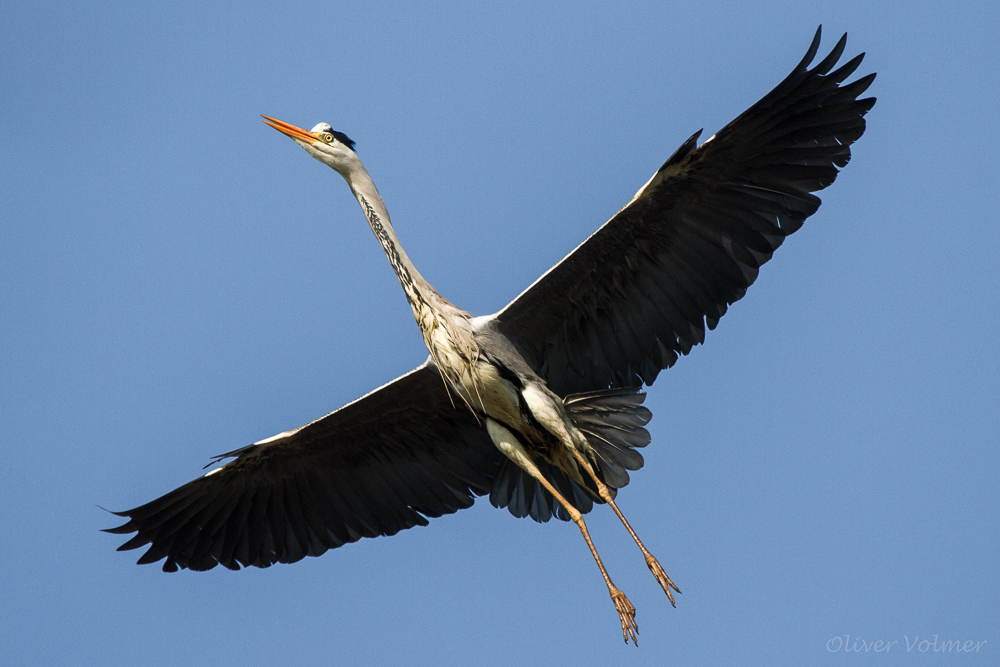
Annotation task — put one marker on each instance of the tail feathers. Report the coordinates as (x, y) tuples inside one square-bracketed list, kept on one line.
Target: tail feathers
[(613, 421), (523, 495)]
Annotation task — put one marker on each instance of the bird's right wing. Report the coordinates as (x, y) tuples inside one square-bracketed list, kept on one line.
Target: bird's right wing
[(374, 467)]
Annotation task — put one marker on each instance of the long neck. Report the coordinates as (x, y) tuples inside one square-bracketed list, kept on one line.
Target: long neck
[(451, 343), (423, 298)]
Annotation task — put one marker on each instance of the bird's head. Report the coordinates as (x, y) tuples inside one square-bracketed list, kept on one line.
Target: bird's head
[(330, 147)]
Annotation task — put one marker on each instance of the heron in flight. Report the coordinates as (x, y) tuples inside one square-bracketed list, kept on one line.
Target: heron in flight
[(540, 404)]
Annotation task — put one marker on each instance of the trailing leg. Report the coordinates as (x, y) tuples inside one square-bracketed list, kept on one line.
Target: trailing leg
[(651, 562), (507, 443)]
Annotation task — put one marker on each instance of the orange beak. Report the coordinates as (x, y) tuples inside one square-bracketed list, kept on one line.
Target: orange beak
[(291, 130)]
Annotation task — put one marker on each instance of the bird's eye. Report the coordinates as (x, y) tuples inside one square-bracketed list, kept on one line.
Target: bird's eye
[(328, 138)]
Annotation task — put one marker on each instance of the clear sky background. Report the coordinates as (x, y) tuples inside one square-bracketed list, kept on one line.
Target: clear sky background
[(178, 280)]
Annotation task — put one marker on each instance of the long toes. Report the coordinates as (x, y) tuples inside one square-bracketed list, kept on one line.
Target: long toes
[(626, 611), (661, 576)]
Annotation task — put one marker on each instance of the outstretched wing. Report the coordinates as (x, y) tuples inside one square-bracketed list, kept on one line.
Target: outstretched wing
[(374, 467), (640, 291)]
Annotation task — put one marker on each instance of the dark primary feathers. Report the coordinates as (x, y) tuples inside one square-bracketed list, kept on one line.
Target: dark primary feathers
[(618, 309), (641, 290), (374, 467)]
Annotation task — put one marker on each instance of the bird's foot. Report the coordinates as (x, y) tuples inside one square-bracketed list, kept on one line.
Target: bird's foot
[(626, 610), (661, 576)]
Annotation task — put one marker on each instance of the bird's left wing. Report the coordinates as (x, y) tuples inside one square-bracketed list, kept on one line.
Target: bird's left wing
[(374, 467), (641, 290)]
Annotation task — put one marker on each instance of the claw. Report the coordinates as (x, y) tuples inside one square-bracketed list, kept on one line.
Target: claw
[(626, 611), (661, 576)]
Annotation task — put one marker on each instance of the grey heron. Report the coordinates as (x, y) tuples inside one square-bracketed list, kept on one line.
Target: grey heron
[(540, 404)]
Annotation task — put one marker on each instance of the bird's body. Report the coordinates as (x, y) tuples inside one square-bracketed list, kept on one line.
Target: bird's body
[(539, 404), (479, 366)]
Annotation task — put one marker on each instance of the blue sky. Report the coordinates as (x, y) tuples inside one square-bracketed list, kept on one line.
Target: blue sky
[(178, 280)]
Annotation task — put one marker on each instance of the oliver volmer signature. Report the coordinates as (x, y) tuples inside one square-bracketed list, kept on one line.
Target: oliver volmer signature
[(844, 644)]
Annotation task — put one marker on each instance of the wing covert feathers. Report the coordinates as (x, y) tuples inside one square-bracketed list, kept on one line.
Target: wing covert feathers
[(387, 462), (643, 289)]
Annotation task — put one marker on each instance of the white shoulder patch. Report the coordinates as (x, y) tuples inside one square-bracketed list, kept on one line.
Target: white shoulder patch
[(479, 322), (274, 438)]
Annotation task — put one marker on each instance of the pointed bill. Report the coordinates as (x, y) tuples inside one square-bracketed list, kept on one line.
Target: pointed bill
[(292, 131)]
